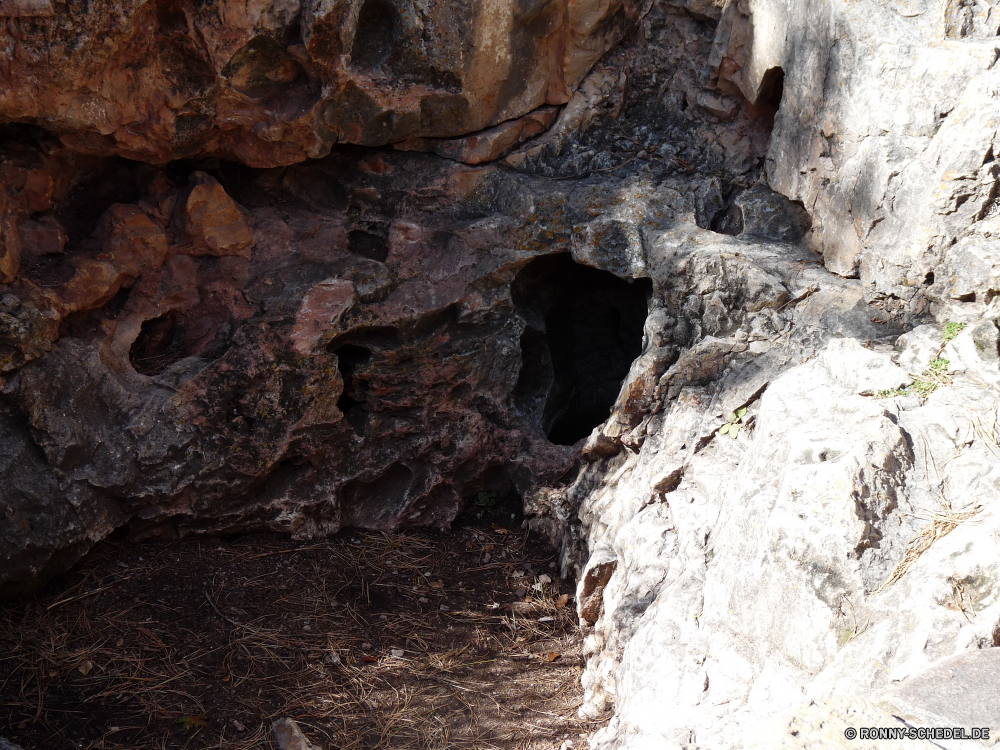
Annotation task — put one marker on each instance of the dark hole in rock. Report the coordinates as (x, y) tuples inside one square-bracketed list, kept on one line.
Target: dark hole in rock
[(491, 498), (20, 131), (929, 278), (970, 297), (584, 329), (769, 96), (772, 88), (368, 245), (159, 344), (351, 360), (728, 221), (378, 23), (105, 183), (989, 158)]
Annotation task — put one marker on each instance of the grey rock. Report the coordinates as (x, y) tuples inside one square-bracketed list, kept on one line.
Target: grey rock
[(976, 350), (289, 736), (920, 347), (8, 745), (771, 216), (957, 692)]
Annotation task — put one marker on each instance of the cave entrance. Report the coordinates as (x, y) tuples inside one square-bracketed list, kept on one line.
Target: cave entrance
[(351, 361), (159, 344), (583, 330)]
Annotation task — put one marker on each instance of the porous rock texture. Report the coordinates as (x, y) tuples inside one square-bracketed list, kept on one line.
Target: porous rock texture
[(274, 83), (764, 205)]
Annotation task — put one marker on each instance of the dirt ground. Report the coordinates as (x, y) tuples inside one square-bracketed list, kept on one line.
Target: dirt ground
[(416, 640)]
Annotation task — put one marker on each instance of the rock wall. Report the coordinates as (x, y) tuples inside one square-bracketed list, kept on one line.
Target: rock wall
[(206, 347), (789, 529), (704, 319), (275, 83)]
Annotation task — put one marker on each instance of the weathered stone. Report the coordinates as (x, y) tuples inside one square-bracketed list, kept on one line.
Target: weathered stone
[(289, 736), (977, 351), (957, 692), (212, 222), (279, 84), (367, 339), (590, 591), (487, 145), (920, 347)]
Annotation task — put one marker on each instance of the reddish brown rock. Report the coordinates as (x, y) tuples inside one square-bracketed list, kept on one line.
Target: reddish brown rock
[(212, 222), (271, 84), (224, 366), (488, 145)]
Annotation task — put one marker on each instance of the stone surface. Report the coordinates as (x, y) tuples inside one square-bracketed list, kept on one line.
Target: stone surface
[(743, 206), (920, 347), (488, 145), (821, 724), (289, 736), (277, 83), (957, 692)]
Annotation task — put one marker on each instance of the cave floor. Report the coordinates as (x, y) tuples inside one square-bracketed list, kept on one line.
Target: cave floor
[(367, 640)]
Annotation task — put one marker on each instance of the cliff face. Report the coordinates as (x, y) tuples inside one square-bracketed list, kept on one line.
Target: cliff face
[(216, 316), (270, 84), (362, 340)]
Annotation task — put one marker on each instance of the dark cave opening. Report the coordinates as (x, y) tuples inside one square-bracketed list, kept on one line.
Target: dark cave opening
[(376, 32), (772, 88), (159, 344), (351, 361), (368, 245), (583, 330)]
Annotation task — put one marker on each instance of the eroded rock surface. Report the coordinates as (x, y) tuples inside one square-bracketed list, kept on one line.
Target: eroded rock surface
[(694, 318), (206, 347), (276, 83)]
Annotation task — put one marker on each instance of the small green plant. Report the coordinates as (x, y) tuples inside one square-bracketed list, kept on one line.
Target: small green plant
[(486, 499), (951, 330), (932, 378), (734, 421)]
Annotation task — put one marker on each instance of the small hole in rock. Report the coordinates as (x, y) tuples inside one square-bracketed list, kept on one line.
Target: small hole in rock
[(929, 278), (368, 245), (728, 221), (583, 330), (351, 360), (159, 344), (769, 96), (378, 24), (772, 88)]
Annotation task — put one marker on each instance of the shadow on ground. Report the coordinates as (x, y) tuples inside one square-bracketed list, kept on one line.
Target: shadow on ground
[(367, 640)]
